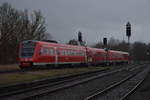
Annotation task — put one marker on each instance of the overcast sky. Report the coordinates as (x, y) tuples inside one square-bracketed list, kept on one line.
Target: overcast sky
[(95, 18)]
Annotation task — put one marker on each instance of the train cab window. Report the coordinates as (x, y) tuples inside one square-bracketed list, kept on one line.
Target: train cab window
[(27, 49)]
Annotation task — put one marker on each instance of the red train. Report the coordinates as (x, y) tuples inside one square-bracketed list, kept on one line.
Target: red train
[(37, 53)]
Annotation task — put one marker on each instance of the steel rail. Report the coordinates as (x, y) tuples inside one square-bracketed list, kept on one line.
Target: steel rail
[(100, 93), (74, 83), (134, 89), (25, 87), (16, 92)]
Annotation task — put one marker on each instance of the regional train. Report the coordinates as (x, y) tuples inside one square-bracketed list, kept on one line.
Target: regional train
[(34, 54)]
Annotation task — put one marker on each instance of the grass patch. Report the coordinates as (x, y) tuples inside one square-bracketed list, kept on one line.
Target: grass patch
[(6, 79), (9, 67)]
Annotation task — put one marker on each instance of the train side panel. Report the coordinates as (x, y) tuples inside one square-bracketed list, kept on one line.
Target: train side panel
[(44, 54), (97, 55), (33, 53), (117, 56), (68, 54)]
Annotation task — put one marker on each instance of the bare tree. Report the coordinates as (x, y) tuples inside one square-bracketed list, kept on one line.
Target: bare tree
[(73, 42), (16, 26), (98, 45), (139, 51)]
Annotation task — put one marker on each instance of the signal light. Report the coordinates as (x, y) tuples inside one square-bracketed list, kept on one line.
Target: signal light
[(105, 41), (80, 37), (128, 29)]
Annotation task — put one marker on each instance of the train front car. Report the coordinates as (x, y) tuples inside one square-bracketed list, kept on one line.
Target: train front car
[(26, 53), (42, 54)]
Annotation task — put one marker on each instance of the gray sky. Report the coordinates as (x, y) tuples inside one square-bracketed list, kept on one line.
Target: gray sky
[(95, 18)]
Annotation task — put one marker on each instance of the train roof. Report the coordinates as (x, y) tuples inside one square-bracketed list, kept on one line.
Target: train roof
[(60, 45), (118, 52), (53, 43), (96, 49)]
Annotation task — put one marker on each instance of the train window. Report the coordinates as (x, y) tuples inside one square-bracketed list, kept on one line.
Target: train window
[(41, 51), (74, 53), (44, 51), (81, 53), (65, 52), (78, 53), (51, 50), (62, 52), (69, 52), (58, 52)]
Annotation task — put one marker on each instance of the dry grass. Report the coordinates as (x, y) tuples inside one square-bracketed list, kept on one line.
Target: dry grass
[(9, 67), (6, 79)]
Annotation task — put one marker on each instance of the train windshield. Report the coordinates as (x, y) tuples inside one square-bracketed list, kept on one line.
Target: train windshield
[(27, 49)]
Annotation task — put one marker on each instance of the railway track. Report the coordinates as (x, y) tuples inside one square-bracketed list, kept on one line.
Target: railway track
[(73, 92), (28, 91), (19, 88), (60, 84), (122, 89), (36, 69), (6, 90)]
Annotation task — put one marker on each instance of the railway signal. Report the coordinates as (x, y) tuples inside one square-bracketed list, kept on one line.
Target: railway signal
[(105, 41), (80, 37), (128, 31)]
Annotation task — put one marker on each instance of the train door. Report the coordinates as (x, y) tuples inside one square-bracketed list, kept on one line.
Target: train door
[(52, 54), (56, 55)]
